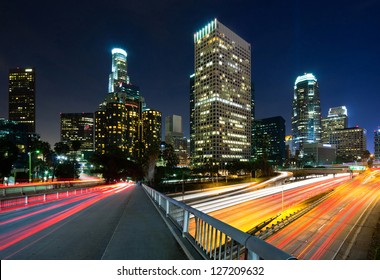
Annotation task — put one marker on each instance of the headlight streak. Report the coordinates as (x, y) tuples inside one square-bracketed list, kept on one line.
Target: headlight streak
[(322, 232)]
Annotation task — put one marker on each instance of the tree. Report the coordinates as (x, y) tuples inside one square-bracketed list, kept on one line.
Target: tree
[(44, 149), (8, 155), (67, 170), (61, 148), (115, 165), (170, 157), (76, 145)]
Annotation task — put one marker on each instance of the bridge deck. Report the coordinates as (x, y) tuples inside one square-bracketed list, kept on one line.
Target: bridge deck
[(142, 234)]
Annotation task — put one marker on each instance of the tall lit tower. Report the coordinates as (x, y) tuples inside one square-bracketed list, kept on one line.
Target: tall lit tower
[(221, 96), (22, 97), (119, 75), (306, 117), (116, 121)]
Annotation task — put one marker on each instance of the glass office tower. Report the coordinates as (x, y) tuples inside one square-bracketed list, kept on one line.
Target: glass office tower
[(306, 115), (221, 97)]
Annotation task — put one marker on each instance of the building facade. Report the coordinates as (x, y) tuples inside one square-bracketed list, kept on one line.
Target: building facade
[(350, 143), (174, 136), (173, 128), (78, 127), (269, 140), (317, 154), (118, 118), (306, 114), (377, 144), (22, 97), (337, 118), (221, 96), (151, 131)]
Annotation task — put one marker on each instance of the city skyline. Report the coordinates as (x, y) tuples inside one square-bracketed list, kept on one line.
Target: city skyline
[(337, 43)]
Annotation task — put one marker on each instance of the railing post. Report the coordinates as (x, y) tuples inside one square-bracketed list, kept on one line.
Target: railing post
[(167, 208), (252, 255), (185, 228)]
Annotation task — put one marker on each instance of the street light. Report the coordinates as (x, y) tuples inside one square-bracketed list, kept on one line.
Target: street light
[(30, 164)]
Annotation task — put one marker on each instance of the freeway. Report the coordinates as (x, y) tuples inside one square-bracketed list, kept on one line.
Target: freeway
[(197, 196), (112, 223), (225, 197), (331, 229), (269, 203)]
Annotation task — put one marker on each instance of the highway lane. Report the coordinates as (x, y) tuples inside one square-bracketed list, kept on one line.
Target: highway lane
[(268, 203), (208, 194), (74, 228), (208, 202), (323, 232)]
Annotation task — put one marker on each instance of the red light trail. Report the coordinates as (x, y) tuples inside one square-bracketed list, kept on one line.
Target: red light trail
[(74, 205)]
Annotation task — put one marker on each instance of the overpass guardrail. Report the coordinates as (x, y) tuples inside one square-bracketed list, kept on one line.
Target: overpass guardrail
[(27, 200), (212, 238)]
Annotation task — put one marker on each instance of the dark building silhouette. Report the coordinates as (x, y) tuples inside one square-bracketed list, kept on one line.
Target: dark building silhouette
[(269, 140)]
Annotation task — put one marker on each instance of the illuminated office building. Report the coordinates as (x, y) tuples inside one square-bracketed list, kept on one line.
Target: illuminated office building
[(78, 127), (22, 97), (123, 120), (337, 118), (350, 143), (377, 144), (117, 119), (306, 115), (151, 130), (17, 133), (118, 79), (192, 126), (221, 96)]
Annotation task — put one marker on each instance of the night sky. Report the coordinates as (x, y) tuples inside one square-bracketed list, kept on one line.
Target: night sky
[(69, 43)]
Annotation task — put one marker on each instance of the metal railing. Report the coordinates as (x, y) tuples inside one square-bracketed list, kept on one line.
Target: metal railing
[(212, 238), (42, 198)]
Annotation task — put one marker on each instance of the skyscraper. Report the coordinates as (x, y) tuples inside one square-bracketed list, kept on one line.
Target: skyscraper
[(306, 116), (173, 128), (22, 97), (117, 119), (118, 78), (221, 118), (80, 127), (174, 136), (337, 118), (377, 143), (151, 130), (350, 143), (269, 139)]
